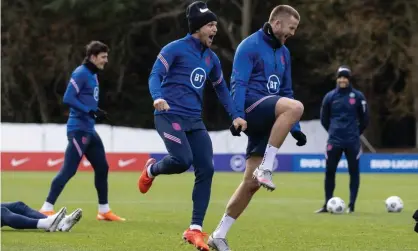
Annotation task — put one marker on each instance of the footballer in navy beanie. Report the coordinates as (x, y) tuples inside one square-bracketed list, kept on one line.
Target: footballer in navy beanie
[(344, 71), (199, 16), (344, 77)]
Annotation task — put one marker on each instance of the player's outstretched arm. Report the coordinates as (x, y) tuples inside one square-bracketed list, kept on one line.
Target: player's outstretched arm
[(73, 89)]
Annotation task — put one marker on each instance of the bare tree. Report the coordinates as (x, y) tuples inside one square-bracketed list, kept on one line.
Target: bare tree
[(370, 38), (235, 30)]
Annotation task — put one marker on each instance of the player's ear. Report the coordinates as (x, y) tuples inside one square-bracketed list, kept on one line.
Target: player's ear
[(277, 23)]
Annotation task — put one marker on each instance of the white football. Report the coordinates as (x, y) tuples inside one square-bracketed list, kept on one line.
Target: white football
[(394, 204), (336, 205)]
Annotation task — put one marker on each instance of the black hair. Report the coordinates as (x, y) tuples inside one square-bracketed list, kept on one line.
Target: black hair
[(95, 48)]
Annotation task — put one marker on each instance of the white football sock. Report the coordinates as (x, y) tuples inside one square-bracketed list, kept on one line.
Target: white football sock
[(44, 223), (47, 207), (104, 208), (269, 157), (196, 227), (149, 172), (223, 227)]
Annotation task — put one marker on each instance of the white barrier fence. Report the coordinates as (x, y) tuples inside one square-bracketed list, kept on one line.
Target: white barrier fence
[(52, 138)]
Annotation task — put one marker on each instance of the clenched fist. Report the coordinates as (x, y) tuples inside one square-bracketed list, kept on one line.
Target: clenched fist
[(161, 105), (240, 123)]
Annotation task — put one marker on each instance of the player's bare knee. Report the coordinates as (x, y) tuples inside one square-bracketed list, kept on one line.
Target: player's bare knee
[(297, 109), (287, 105)]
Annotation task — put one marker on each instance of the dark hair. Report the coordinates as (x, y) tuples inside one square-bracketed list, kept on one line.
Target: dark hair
[(95, 47)]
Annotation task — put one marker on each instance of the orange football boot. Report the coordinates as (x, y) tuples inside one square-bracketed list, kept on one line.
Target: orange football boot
[(196, 238), (145, 182), (109, 216)]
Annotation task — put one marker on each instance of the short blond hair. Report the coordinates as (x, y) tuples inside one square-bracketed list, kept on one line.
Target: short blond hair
[(283, 9)]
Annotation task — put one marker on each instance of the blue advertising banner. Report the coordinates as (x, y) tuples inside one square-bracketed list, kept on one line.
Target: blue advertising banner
[(236, 162), (389, 163), (369, 163), (315, 163)]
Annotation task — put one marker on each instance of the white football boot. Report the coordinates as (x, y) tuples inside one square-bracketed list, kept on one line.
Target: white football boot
[(70, 220)]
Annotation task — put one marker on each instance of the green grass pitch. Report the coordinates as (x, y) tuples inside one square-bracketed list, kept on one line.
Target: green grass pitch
[(279, 220)]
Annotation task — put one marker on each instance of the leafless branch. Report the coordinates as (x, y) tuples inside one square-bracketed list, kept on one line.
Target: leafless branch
[(224, 53), (40, 94), (224, 23), (169, 14), (121, 78), (236, 3)]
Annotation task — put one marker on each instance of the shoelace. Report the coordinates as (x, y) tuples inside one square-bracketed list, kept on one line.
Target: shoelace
[(267, 173)]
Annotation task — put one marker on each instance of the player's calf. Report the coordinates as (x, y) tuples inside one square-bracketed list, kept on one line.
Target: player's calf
[(236, 205), (241, 197)]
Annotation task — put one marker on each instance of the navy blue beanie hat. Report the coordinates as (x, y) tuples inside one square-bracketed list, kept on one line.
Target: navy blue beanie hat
[(344, 71), (199, 15)]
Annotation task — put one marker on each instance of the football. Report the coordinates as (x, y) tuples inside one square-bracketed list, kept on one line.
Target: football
[(336, 205), (394, 204)]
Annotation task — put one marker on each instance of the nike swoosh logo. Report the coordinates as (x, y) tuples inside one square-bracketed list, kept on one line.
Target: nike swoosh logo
[(55, 162), (203, 10), (15, 162), (86, 163), (123, 163)]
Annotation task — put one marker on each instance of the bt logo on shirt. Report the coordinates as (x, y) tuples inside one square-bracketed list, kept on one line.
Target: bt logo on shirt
[(198, 77), (96, 93), (273, 84)]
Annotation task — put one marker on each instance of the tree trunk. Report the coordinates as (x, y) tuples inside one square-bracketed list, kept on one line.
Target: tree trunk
[(373, 131), (414, 80), (246, 19), (416, 116), (41, 97)]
